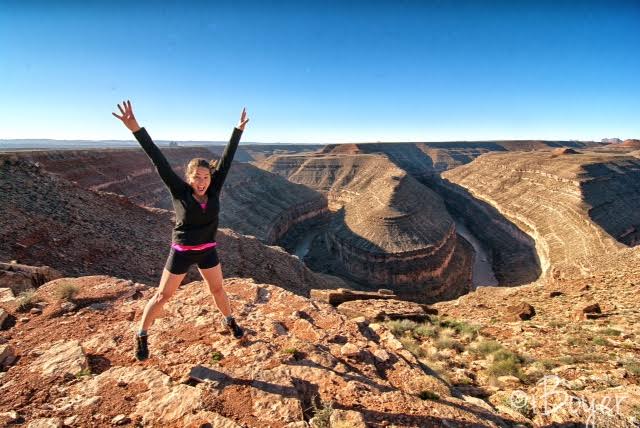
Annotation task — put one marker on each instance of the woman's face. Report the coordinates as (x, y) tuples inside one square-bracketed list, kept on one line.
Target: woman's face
[(200, 180)]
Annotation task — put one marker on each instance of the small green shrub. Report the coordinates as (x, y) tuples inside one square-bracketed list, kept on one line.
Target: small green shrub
[(568, 359), (322, 414), (26, 300), (290, 351), (549, 364), (633, 367), (448, 343), (600, 341), (83, 373), (412, 346), (576, 341), (425, 330), (505, 363), (460, 327), (487, 347), (428, 395), (610, 332), (66, 291), (399, 327), (216, 356)]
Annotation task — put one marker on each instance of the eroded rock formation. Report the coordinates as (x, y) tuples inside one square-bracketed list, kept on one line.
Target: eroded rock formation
[(78, 231), (388, 230), (575, 207), (253, 201), (20, 278)]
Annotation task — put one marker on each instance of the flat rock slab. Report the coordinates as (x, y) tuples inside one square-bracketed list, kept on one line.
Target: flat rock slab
[(383, 309), (6, 295), (61, 357), (341, 295)]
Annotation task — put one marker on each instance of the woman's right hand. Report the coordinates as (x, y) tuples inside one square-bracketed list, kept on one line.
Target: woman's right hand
[(127, 117)]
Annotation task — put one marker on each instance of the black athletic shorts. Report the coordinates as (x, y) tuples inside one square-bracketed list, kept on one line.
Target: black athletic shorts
[(179, 262)]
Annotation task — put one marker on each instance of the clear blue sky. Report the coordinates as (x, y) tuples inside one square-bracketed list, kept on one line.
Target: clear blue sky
[(322, 71)]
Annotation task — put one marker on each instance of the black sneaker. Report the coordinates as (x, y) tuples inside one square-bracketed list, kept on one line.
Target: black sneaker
[(142, 350), (234, 328)]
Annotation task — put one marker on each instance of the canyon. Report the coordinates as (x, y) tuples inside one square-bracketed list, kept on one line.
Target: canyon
[(385, 229), (558, 223)]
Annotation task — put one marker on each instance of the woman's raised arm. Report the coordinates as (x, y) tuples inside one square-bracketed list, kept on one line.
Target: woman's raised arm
[(219, 175), (170, 178)]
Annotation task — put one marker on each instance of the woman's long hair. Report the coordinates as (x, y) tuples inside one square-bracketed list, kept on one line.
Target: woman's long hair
[(196, 163)]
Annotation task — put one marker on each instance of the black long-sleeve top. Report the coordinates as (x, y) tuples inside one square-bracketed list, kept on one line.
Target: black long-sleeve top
[(194, 225)]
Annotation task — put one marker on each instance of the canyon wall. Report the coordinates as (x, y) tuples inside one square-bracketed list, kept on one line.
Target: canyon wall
[(48, 220), (424, 160), (575, 206), (387, 229), (253, 201)]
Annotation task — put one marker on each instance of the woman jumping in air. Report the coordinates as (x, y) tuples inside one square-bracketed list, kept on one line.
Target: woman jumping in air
[(196, 204)]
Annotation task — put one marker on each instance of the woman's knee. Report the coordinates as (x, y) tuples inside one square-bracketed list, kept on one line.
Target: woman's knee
[(160, 298), (216, 287)]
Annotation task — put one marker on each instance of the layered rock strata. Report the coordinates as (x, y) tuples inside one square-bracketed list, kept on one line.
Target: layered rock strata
[(20, 278), (253, 201), (574, 206), (125, 172), (265, 205), (423, 160), (387, 229), (78, 231)]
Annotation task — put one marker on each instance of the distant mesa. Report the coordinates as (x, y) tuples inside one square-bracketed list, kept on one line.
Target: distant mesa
[(631, 144), (611, 140), (564, 151)]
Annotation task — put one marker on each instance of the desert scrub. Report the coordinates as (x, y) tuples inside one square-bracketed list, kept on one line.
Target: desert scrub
[(216, 356), (412, 346), (321, 415), (600, 341), (449, 343), (610, 332), (576, 341), (460, 327), (26, 301), (84, 372), (548, 364), (557, 324), (66, 291), (428, 395), (568, 359), (425, 330), (505, 363), (632, 366), (532, 344), (400, 327), (486, 347)]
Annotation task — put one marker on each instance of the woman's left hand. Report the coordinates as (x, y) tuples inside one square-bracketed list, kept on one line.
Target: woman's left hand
[(243, 120)]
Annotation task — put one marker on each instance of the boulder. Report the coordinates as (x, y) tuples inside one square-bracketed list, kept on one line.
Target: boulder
[(520, 312)]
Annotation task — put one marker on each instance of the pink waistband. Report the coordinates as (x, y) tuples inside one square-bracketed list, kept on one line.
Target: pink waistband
[(179, 247)]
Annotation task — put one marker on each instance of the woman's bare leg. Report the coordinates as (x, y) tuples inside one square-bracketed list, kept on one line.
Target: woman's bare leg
[(213, 278), (169, 283)]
